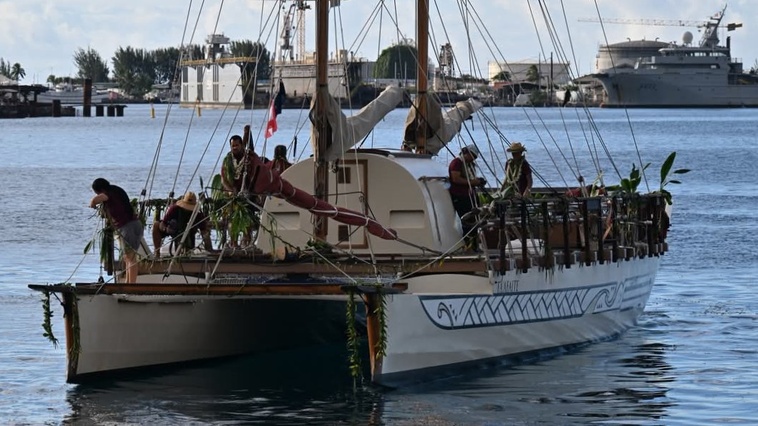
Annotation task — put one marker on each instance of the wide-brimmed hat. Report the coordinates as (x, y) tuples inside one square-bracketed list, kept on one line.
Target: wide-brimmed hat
[(516, 147), (188, 202), (471, 149)]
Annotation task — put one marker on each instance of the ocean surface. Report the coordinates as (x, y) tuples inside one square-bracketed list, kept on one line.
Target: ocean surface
[(691, 360)]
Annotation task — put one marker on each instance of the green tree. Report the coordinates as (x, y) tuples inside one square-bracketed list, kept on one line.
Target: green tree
[(253, 70), (533, 74), (17, 73), (502, 76), (398, 61), (193, 52), (5, 68), (246, 49), (166, 65), (133, 70), (91, 65), (538, 97)]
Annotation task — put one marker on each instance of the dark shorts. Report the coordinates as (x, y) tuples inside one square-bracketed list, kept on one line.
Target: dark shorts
[(131, 235)]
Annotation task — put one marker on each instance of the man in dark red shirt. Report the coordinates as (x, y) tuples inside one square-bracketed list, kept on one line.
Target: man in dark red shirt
[(120, 214), (463, 184), (463, 180)]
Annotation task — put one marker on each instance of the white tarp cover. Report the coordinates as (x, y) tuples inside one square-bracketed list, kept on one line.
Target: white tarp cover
[(443, 126), (347, 131)]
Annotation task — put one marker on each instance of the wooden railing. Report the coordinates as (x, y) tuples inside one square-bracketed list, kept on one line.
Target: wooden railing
[(546, 232)]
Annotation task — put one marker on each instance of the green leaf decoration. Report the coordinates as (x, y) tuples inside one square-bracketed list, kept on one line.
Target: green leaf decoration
[(666, 167)]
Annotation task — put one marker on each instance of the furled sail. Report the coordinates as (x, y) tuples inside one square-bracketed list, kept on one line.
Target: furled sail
[(347, 131), (442, 126), (262, 179)]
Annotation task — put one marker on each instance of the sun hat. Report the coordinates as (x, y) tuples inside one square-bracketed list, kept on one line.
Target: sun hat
[(188, 202), (516, 147), (472, 149)]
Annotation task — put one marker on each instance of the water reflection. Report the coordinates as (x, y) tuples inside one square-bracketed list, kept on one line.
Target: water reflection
[(625, 380), (308, 386), (622, 381)]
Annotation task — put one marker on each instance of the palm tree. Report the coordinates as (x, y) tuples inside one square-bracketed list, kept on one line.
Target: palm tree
[(502, 76), (533, 74), (17, 73)]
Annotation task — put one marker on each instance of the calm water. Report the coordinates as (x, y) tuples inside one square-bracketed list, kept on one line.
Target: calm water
[(691, 360)]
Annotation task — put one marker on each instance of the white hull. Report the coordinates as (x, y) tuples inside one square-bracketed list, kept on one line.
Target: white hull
[(540, 310), (430, 326), (120, 332)]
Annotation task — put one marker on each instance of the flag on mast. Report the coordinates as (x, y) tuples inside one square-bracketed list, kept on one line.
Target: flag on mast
[(275, 109), (271, 127)]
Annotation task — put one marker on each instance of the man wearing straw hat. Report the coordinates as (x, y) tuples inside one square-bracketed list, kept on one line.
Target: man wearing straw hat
[(175, 222), (518, 172)]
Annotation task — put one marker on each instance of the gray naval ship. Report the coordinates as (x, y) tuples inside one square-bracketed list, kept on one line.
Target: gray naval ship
[(680, 75)]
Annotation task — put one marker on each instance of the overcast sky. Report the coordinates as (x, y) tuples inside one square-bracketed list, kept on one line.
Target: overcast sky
[(43, 35)]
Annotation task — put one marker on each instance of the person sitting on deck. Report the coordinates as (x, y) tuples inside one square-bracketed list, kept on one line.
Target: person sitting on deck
[(280, 163), (175, 221)]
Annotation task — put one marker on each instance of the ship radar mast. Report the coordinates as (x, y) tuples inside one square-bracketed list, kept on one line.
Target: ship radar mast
[(447, 61)]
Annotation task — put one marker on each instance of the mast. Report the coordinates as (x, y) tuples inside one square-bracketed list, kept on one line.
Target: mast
[(422, 47), (321, 169)]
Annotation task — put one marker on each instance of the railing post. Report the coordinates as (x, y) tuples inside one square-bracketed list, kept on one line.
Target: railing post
[(501, 210), (524, 232), (586, 227), (566, 230), (615, 229), (546, 238)]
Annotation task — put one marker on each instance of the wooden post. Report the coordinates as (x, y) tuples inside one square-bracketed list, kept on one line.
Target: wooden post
[(56, 108), (109, 246), (546, 238), (598, 206), (566, 230), (87, 101), (99, 110), (323, 130), (422, 48), (524, 238), (615, 227), (501, 210), (69, 299), (586, 228), (372, 301)]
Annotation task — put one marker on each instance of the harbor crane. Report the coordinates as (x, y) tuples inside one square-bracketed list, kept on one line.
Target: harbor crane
[(660, 22), (294, 20)]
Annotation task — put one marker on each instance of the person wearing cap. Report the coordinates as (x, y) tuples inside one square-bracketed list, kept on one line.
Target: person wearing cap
[(518, 172), (120, 213), (175, 222)]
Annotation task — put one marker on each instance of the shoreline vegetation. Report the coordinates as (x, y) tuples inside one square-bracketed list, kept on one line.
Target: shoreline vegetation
[(143, 76)]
